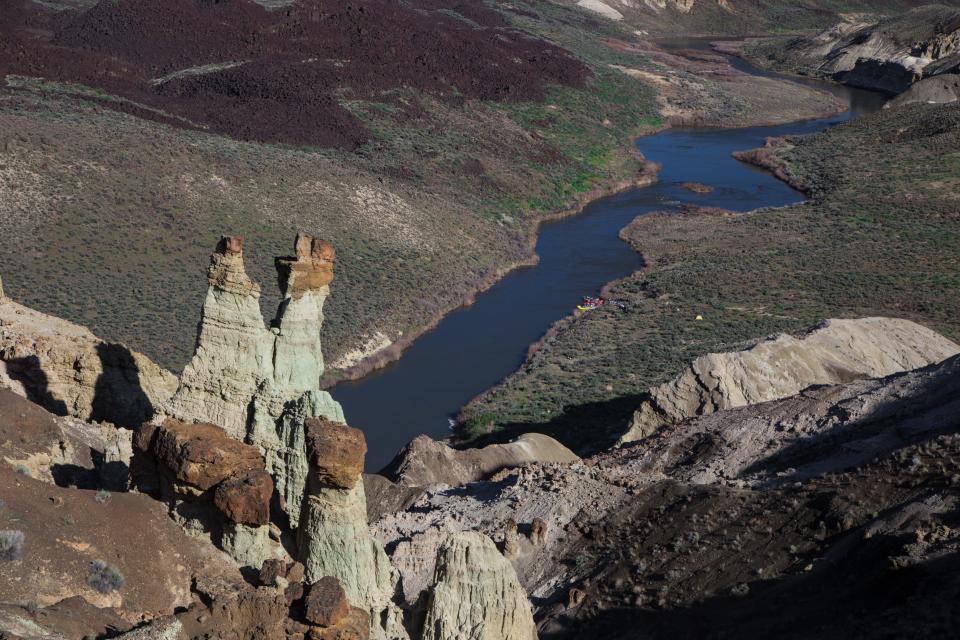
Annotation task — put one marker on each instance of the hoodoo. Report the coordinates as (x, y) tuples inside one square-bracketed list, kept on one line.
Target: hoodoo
[(260, 383)]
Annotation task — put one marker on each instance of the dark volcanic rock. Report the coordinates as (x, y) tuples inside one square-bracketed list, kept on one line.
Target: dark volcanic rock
[(326, 603), (336, 452), (274, 75), (245, 498), (270, 571), (201, 455)]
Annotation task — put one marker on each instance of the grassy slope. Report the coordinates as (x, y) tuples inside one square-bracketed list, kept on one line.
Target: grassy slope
[(880, 236), (110, 218)]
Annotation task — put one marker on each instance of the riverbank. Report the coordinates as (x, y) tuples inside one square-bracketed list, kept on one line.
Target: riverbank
[(879, 236), (690, 67)]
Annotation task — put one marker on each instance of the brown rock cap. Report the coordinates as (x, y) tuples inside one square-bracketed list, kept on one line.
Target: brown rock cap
[(226, 270), (202, 455), (245, 497), (326, 603), (311, 269), (335, 452)]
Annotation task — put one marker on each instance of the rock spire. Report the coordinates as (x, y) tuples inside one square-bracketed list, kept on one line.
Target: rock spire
[(260, 384)]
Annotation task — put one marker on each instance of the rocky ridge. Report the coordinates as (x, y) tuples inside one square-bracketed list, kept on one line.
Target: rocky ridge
[(70, 371), (424, 461), (887, 55), (735, 469), (838, 351)]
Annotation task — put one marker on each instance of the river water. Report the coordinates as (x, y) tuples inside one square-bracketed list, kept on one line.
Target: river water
[(475, 347)]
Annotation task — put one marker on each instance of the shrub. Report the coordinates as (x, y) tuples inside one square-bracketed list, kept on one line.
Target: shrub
[(103, 577), (102, 496), (11, 545)]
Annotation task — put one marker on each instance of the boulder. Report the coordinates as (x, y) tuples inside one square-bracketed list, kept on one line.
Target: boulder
[(200, 455), (244, 498), (326, 602), (272, 569), (837, 351), (213, 485), (476, 594), (425, 461), (353, 627), (335, 452)]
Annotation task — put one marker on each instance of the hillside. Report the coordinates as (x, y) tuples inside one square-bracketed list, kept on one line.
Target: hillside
[(886, 55), (879, 236), (429, 170)]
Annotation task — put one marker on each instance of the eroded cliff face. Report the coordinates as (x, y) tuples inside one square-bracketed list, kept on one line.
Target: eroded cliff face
[(71, 372), (887, 55), (836, 352), (260, 383)]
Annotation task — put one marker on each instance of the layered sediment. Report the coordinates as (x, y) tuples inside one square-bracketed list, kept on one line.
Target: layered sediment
[(333, 537), (836, 352), (476, 594), (260, 384)]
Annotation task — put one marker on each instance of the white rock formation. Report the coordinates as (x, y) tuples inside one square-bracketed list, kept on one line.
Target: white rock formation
[(333, 538), (476, 594), (839, 351), (260, 384)]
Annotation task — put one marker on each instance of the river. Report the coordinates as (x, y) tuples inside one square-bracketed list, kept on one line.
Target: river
[(475, 347)]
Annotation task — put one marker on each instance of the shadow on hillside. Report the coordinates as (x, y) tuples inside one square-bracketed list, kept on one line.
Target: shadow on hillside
[(584, 428), (932, 409), (857, 596), (118, 396), (29, 372)]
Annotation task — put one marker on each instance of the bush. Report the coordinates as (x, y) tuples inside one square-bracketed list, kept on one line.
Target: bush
[(103, 577), (102, 496), (11, 545)]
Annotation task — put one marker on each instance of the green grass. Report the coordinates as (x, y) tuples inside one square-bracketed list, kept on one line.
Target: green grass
[(880, 236)]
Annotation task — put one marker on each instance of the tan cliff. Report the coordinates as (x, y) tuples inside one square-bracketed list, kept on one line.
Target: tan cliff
[(836, 352), (258, 383), (71, 372)]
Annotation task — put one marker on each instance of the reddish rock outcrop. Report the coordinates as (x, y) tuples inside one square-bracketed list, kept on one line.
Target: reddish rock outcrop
[(199, 455), (335, 452), (245, 498), (211, 483), (226, 269), (326, 603), (310, 270)]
